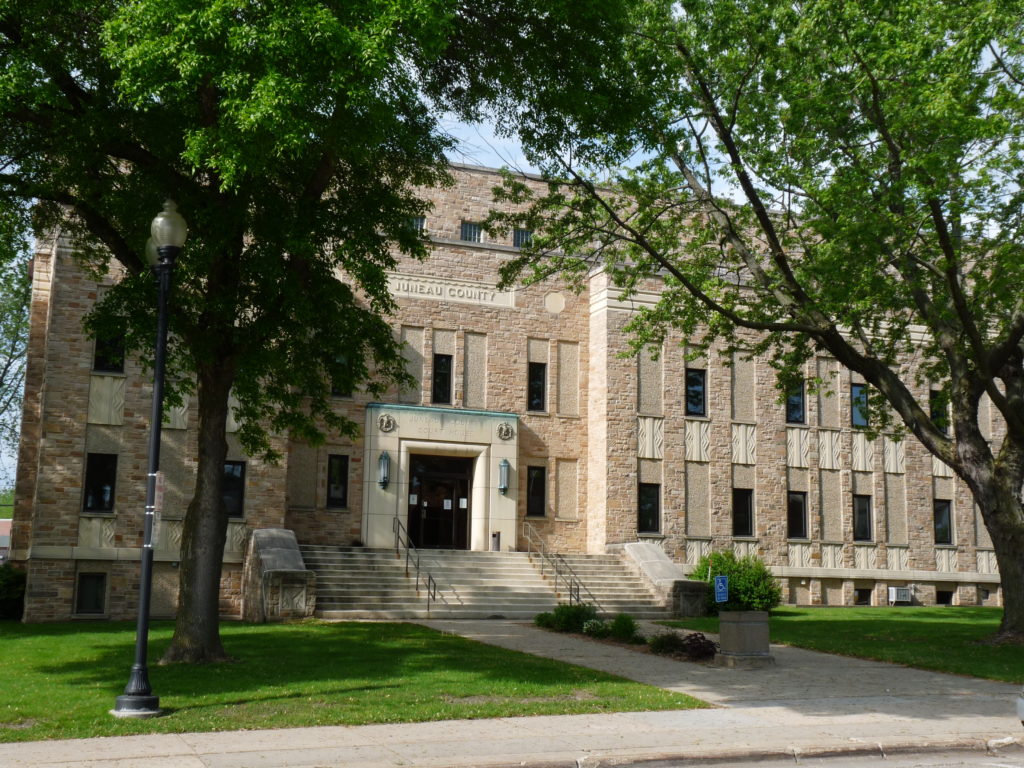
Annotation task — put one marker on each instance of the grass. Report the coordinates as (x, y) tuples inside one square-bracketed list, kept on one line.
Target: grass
[(940, 638), (6, 503), (61, 680)]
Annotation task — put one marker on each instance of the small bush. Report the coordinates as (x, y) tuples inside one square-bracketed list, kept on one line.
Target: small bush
[(596, 628), (571, 618), (545, 620), (666, 643), (751, 586), (623, 627), (693, 647), (12, 592)]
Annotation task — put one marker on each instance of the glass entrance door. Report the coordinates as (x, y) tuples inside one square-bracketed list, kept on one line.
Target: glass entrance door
[(439, 501)]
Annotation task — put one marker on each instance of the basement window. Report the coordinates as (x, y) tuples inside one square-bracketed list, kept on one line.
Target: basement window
[(91, 593)]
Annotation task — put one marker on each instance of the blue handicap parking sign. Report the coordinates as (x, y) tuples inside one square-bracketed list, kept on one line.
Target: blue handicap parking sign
[(721, 589)]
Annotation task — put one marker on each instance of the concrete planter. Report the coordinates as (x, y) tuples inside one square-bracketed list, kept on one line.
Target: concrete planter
[(743, 638)]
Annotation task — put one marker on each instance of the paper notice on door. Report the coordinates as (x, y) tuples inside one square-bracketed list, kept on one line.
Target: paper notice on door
[(413, 498), (463, 503), (447, 503)]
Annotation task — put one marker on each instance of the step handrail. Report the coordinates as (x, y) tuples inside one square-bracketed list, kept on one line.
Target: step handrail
[(428, 580), (573, 583)]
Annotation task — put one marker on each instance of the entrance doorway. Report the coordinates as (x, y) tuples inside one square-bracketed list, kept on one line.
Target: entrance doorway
[(439, 501)]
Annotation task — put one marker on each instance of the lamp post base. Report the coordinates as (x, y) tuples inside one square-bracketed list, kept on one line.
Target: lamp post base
[(129, 705)]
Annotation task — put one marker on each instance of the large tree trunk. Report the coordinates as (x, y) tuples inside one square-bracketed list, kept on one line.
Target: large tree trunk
[(197, 629), (1003, 514)]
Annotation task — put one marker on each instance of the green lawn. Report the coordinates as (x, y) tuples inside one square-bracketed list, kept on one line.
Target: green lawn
[(942, 638), (6, 503), (60, 680)]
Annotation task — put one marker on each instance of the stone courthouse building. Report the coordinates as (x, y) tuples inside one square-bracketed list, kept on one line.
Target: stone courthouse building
[(527, 389)]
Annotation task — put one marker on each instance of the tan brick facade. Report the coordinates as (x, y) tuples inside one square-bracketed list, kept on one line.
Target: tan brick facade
[(608, 424)]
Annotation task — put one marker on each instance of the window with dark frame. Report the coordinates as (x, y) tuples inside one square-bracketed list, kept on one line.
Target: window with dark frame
[(648, 517), (521, 237), (536, 491), (862, 518), (859, 405), (471, 232), (536, 387), (742, 512), (796, 404), (696, 392), (108, 356), (337, 481), (91, 593), (100, 482), (339, 387), (943, 516), (938, 406), (796, 515), (233, 492), (441, 390), (418, 223)]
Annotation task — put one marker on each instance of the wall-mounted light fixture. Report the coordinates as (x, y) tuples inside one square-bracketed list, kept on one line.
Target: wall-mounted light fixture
[(503, 468), (383, 469)]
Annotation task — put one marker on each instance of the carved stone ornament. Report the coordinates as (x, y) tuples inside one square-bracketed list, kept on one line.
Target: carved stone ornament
[(386, 422), (505, 431)]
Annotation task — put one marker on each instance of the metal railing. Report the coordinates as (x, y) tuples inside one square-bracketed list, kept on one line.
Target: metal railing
[(574, 586), (412, 558)]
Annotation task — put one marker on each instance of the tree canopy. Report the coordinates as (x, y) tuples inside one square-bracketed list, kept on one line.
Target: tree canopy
[(840, 178), (14, 303)]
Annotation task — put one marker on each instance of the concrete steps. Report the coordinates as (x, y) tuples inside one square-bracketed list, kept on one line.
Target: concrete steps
[(365, 583)]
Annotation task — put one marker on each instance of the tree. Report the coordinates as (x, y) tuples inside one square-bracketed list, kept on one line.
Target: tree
[(830, 176), (14, 301), (293, 137)]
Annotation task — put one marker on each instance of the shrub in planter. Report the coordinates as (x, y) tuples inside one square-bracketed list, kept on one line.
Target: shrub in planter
[(751, 586), (571, 618), (624, 628), (12, 592)]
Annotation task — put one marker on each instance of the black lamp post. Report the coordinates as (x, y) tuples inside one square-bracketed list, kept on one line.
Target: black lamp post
[(168, 233)]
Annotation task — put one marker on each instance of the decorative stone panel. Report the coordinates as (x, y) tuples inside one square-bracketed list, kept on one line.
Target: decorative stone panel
[(864, 556), (798, 447), (744, 444), (106, 399), (177, 417), (96, 531), (745, 548), (987, 561), (940, 468), (898, 558), (232, 423), (893, 456), (831, 555), (828, 449), (696, 549), (863, 453), (945, 559), (698, 441), (651, 437), (800, 555)]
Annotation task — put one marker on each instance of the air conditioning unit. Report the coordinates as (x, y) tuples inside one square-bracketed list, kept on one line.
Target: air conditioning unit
[(899, 595)]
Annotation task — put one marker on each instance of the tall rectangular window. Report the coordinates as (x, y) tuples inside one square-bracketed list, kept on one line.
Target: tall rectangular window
[(418, 223), (696, 392), (536, 387), (796, 404), (109, 354), (337, 481), (233, 492), (91, 593), (742, 512), (536, 491), (938, 405), (943, 514), (859, 405), (862, 518), (441, 392), (340, 380), (521, 237), (796, 515), (100, 482), (471, 232), (648, 518)]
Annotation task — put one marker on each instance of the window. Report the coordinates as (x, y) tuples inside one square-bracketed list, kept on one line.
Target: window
[(742, 512), (696, 392), (233, 492), (536, 491), (418, 223), (441, 393), (100, 482), (862, 518), (91, 593), (943, 597), (796, 515), (109, 354), (943, 509), (862, 596), (471, 232), (859, 405), (339, 384), (521, 237), (648, 518), (536, 387), (796, 404), (938, 406), (337, 481)]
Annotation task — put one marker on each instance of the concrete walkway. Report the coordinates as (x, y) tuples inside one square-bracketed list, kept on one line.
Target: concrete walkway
[(808, 704)]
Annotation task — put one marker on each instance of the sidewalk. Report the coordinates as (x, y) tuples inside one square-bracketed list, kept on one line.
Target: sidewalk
[(809, 703)]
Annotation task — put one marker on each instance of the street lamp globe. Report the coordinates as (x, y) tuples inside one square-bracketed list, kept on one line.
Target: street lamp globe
[(168, 228)]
